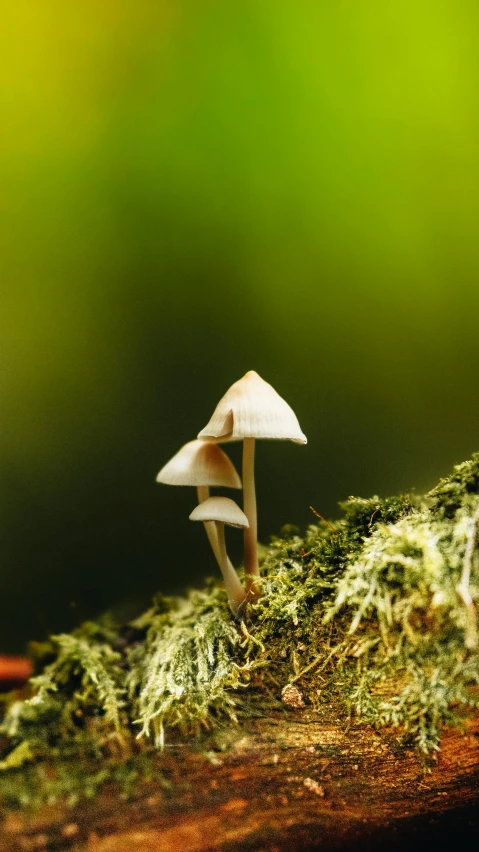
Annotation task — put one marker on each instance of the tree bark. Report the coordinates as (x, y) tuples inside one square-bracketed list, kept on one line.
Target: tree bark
[(295, 780)]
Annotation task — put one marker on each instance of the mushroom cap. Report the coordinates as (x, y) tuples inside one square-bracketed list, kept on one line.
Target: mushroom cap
[(200, 463), (251, 408), (220, 509)]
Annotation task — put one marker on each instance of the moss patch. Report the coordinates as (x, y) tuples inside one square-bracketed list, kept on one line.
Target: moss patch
[(377, 609)]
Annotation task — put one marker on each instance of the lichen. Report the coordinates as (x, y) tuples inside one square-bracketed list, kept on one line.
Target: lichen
[(376, 609)]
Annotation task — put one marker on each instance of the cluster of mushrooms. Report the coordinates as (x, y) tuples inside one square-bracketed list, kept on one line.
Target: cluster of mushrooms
[(250, 409)]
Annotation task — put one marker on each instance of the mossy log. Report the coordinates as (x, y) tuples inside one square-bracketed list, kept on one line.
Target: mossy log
[(342, 712), (292, 780)]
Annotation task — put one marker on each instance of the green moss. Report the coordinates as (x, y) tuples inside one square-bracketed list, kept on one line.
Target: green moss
[(460, 488), (182, 674), (73, 780), (372, 609)]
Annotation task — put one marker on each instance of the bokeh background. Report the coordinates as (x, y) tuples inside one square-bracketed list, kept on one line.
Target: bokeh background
[(190, 190)]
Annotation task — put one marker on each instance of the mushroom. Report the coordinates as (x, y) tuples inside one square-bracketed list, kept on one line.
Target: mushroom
[(221, 511), (252, 409), (201, 464)]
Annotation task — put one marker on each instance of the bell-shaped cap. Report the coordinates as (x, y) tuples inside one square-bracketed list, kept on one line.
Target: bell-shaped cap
[(220, 509), (251, 408), (200, 463)]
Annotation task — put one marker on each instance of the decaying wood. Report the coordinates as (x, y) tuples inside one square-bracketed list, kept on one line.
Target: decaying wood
[(294, 780)]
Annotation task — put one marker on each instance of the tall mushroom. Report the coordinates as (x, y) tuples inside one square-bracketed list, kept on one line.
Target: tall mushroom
[(201, 464), (221, 511), (252, 409)]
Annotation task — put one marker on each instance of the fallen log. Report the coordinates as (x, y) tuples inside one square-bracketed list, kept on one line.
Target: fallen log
[(293, 780)]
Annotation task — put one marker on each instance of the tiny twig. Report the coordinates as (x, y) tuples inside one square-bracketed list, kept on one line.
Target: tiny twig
[(323, 519), (315, 662), (372, 516), (249, 637)]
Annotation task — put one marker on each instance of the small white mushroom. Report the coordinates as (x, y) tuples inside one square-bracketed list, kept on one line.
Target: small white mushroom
[(252, 409), (222, 510), (201, 464)]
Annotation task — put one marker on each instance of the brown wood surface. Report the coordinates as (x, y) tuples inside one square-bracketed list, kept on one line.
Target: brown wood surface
[(295, 780)]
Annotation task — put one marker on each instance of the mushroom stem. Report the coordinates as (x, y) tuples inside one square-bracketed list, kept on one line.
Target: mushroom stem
[(203, 492), (234, 589), (250, 533)]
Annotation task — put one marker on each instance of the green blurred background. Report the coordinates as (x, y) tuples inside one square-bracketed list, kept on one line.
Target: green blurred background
[(190, 190)]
